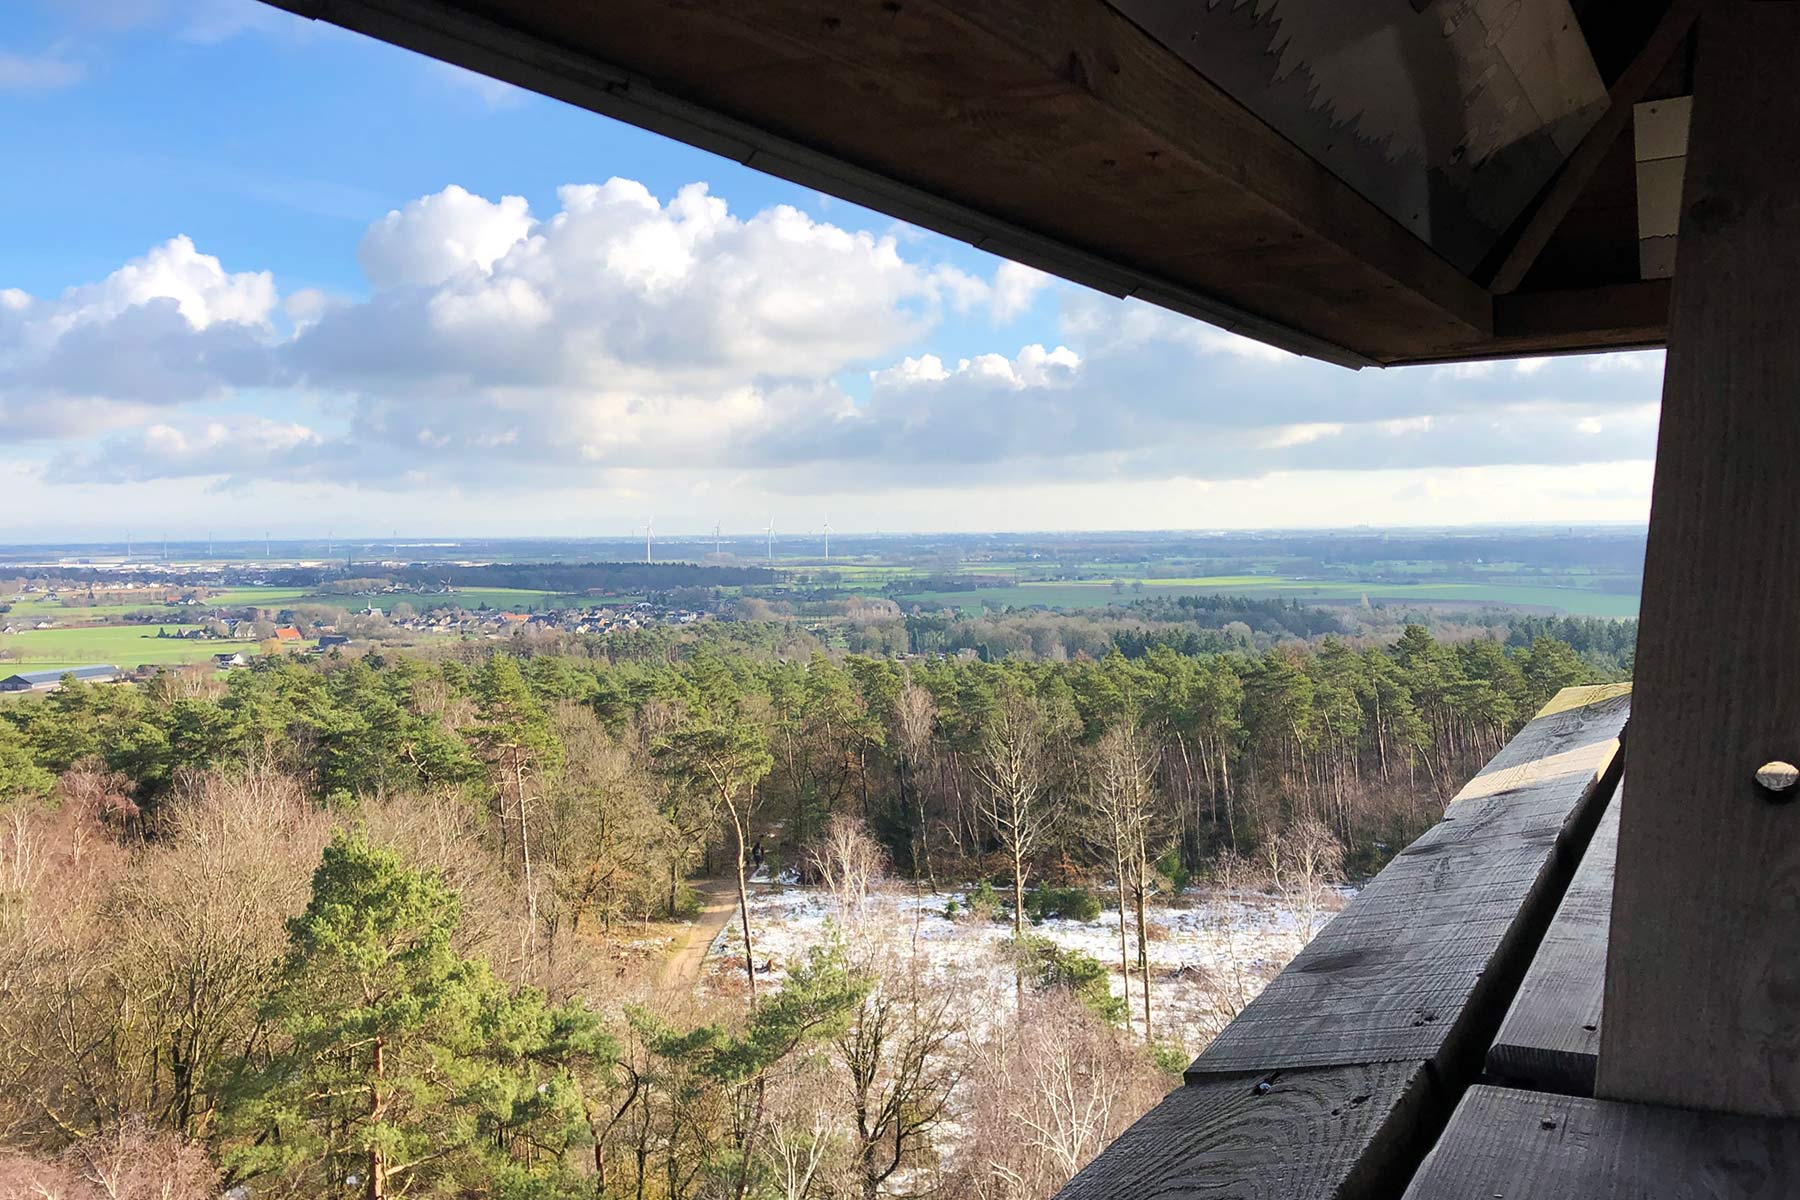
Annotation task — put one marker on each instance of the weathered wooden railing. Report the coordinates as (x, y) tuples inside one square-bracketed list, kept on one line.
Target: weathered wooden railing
[(1338, 1078)]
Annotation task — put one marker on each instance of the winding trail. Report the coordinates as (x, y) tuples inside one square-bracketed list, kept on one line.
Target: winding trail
[(718, 904)]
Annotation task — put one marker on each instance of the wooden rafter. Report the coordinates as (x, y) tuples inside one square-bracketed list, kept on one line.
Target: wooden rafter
[(1509, 266)]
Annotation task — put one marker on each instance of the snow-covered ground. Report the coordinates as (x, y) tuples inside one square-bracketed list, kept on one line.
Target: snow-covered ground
[(1210, 950)]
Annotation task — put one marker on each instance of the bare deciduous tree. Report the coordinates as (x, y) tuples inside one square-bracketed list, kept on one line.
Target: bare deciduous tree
[(1046, 1094), (135, 979), (849, 863), (1303, 861), (1014, 775), (801, 1145), (132, 1162), (1123, 803), (915, 715), (898, 1057)]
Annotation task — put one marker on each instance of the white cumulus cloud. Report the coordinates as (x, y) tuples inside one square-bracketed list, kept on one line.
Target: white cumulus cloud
[(439, 236), (168, 328), (625, 334), (1015, 289)]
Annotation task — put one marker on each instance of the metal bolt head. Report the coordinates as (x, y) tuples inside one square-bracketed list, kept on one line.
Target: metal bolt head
[(1778, 777)]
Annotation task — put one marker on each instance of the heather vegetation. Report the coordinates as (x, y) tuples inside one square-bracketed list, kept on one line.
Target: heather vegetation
[(391, 923)]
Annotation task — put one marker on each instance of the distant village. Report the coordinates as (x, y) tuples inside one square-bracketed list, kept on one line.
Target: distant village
[(314, 624)]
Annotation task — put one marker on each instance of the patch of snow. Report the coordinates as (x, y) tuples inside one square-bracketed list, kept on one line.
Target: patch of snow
[(1210, 950)]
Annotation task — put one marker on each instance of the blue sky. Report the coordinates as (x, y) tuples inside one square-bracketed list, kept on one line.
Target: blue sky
[(257, 272)]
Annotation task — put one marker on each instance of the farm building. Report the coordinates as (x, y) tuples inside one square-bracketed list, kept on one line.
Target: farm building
[(1573, 986), (37, 681)]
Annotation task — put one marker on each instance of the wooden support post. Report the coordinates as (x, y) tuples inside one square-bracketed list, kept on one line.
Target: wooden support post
[(1702, 1002)]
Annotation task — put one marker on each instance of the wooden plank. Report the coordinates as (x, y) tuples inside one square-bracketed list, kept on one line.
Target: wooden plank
[(1421, 964), (1378, 94), (1618, 316), (925, 111), (1054, 132), (1338, 1133), (1550, 1039), (1561, 193), (1521, 1145), (1703, 973)]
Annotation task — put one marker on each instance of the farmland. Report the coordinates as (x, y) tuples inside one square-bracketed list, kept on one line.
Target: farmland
[(1577, 601), (124, 646), (505, 599), (110, 614)]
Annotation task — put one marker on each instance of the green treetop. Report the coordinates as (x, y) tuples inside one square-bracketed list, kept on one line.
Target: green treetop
[(403, 1067)]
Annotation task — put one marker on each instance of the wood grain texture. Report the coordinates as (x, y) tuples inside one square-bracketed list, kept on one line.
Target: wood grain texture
[(1054, 132), (1622, 315), (1520, 1145), (1423, 960), (1332, 1134), (1703, 970), (1550, 1039), (1559, 196)]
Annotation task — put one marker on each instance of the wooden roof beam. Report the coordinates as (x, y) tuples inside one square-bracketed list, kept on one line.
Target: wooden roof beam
[(1506, 269), (1207, 211)]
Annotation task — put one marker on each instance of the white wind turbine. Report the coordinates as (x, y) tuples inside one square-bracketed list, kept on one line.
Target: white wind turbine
[(649, 529), (771, 532), (827, 532)]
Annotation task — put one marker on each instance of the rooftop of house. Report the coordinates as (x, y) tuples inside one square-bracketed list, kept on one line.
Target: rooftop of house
[(40, 679)]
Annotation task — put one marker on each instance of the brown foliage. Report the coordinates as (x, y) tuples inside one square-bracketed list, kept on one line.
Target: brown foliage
[(134, 1162), (1046, 1092), (129, 978)]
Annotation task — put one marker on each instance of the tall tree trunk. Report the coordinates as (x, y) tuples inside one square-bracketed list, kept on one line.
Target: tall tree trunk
[(743, 890), (1018, 920), (1230, 806), (1124, 954), (1143, 945), (531, 921), (377, 1184)]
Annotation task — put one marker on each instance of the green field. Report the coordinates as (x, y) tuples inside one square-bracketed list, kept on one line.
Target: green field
[(36, 608), (1098, 593), (125, 646), (277, 598), (506, 599), (262, 597)]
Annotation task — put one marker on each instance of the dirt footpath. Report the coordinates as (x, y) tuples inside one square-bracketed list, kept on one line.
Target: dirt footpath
[(718, 904)]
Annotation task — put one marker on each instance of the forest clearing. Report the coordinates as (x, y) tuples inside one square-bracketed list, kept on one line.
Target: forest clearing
[(1211, 948)]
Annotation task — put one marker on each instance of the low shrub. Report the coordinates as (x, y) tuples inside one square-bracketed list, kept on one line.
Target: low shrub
[(1047, 965), (1070, 903), (1170, 868), (983, 902)]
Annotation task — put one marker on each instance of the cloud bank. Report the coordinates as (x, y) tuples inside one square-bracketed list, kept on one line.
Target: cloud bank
[(624, 334)]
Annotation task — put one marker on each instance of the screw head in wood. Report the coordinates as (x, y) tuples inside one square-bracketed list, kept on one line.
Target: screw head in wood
[(1778, 779)]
